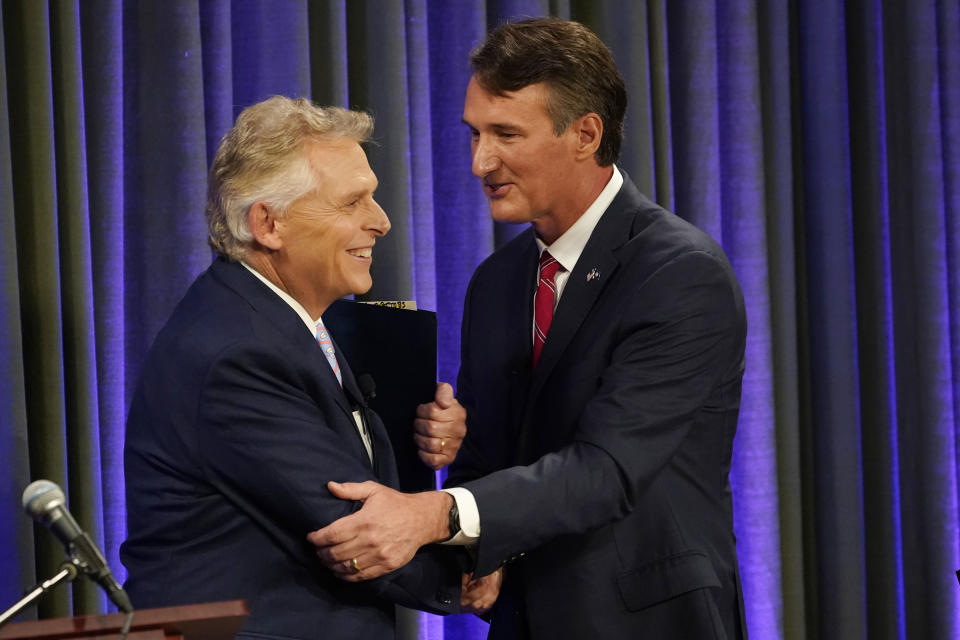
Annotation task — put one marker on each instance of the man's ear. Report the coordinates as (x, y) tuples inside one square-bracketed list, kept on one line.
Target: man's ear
[(589, 128), (263, 226)]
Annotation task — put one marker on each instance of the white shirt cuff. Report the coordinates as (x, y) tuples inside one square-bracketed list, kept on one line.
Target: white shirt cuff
[(469, 517)]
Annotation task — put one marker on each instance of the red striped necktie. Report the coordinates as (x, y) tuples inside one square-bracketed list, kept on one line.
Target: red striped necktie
[(544, 302)]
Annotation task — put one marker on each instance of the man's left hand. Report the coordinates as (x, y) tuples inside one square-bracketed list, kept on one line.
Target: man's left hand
[(384, 534), (439, 428), (478, 595)]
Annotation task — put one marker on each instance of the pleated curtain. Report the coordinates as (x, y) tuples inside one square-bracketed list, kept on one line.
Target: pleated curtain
[(817, 140)]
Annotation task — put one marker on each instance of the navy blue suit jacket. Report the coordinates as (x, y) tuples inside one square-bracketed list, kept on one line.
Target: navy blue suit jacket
[(235, 428), (601, 476)]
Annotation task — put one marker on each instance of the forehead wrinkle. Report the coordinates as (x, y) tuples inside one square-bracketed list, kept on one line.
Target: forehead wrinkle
[(359, 183)]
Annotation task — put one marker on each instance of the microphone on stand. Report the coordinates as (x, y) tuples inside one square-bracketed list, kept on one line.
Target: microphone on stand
[(44, 502)]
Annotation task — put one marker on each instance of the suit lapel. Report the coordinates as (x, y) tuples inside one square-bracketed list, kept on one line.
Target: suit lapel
[(518, 302), (594, 270), (579, 295), (518, 296), (354, 397), (351, 389), (290, 325)]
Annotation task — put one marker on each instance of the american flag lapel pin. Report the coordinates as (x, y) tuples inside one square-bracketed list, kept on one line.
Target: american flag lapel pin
[(594, 273)]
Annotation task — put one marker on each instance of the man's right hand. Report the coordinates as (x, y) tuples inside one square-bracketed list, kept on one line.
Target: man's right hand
[(384, 534)]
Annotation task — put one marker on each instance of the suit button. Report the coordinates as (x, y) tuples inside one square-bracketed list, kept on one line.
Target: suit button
[(444, 598)]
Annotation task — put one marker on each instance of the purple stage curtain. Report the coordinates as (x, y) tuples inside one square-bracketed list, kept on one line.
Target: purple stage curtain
[(818, 141)]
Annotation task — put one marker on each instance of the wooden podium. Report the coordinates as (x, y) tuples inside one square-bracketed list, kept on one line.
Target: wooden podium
[(213, 621)]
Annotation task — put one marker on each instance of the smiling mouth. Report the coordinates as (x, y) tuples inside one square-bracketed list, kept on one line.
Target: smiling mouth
[(495, 189), (365, 252)]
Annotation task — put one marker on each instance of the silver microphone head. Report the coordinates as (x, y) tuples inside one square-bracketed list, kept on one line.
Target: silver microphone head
[(40, 496)]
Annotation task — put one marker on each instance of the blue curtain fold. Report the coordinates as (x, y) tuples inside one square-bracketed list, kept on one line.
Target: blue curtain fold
[(743, 233), (462, 234), (17, 548), (835, 476), (776, 69), (871, 220), (921, 319)]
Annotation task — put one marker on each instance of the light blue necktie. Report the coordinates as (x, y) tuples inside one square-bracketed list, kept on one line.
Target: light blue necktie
[(323, 339)]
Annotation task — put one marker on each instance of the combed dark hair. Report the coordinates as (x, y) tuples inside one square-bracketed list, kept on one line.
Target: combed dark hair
[(571, 60)]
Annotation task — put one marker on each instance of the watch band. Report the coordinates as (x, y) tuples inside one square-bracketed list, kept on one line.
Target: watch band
[(453, 521)]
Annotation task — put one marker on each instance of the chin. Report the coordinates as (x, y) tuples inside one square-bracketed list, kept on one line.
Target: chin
[(351, 287), (508, 214), (362, 287)]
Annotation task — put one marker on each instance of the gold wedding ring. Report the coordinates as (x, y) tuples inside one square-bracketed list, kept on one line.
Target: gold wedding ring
[(356, 567)]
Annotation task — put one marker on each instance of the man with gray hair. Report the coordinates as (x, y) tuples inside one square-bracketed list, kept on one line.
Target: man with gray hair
[(245, 409)]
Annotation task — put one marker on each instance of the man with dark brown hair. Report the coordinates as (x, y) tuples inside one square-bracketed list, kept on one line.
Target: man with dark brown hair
[(602, 358)]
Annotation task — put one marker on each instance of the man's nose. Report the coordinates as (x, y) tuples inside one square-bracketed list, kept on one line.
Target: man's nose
[(379, 222), (485, 158)]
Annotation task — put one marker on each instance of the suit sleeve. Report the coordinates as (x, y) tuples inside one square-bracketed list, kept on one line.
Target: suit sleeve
[(271, 448), (681, 332)]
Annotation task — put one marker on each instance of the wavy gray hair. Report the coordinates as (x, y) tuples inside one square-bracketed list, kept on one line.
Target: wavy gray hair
[(261, 160)]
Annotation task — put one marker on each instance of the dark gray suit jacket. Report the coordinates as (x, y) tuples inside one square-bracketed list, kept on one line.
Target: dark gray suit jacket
[(235, 428), (601, 477)]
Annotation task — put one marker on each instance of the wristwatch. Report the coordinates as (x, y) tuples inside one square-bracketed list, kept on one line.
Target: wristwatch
[(453, 521)]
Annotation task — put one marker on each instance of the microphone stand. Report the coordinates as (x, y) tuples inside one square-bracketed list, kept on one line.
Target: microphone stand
[(67, 572)]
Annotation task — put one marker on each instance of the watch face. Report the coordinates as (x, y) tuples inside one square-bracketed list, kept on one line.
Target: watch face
[(454, 522)]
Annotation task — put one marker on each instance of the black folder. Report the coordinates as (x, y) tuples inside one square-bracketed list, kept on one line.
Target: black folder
[(398, 348)]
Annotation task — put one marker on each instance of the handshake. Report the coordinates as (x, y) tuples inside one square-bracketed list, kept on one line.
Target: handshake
[(385, 534), (391, 526)]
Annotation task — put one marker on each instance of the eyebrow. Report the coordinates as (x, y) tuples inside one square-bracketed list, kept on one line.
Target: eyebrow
[(496, 125), (359, 193), (356, 194)]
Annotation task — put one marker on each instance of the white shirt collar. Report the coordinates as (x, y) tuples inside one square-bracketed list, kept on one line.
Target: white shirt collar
[(296, 306), (567, 248)]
